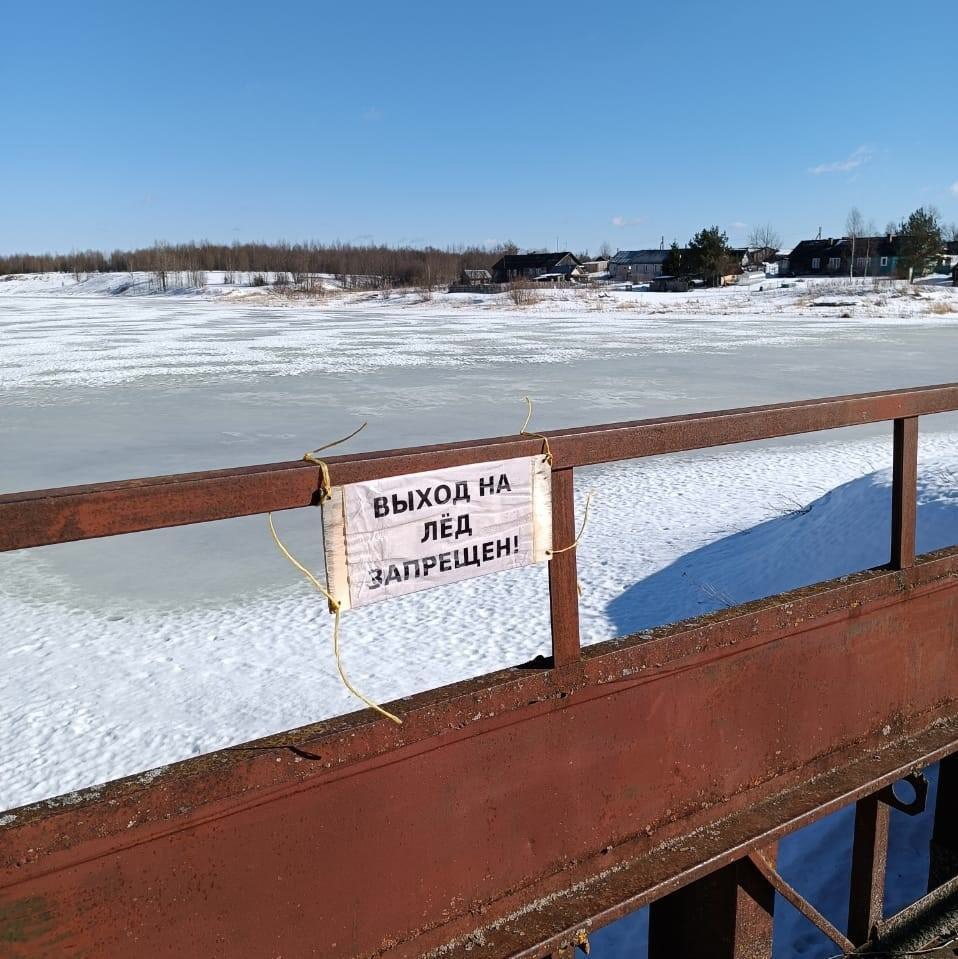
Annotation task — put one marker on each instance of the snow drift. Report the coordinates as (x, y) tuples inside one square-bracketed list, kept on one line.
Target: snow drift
[(846, 530)]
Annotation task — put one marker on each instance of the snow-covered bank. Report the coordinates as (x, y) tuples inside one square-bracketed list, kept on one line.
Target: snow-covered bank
[(214, 284), (847, 529), (831, 297)]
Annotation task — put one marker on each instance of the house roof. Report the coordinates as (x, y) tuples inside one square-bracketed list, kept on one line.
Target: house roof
[(631, 257), (812, 247), (531, 261), (478, 274), (875, 245)]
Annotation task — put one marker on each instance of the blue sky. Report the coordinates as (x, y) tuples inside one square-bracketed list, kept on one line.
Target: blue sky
[(450, 123)]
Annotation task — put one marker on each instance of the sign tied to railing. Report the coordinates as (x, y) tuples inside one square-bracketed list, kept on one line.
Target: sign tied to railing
[(390, 537)]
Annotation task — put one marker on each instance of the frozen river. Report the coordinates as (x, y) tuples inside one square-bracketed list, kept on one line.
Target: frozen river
[(92, 389), (119, 655)]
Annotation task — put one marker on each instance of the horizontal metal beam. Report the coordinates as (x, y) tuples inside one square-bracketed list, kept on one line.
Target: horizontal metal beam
[(42, 517), (697, 741)]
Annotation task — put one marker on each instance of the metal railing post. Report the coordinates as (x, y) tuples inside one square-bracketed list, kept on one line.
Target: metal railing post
[(563, 578), (904, 492), (866, 897), (943, 862), (727, 915)]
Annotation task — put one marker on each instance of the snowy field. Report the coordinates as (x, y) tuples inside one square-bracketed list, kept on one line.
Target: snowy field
[(124, 654)]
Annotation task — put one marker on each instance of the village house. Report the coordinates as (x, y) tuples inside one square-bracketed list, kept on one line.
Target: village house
[(475, 277), (779, 263), (530, 266), (948, 258), (591, 271), (637, 266), (759, 257), (474, 281), (874, 256)]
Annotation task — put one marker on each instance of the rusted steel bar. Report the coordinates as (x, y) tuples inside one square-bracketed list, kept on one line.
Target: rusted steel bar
[(563, 582), (725, 915), (904, 492), (791, 895), (869, 860), (943, 863), (705, 739), (905, 928), (42, 517)]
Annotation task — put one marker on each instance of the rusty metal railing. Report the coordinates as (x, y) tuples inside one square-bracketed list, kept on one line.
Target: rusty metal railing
[(685, 821)]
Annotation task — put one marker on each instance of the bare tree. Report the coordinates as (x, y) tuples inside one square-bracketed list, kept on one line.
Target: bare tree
[(870, 231), (765, 237), (855, 228)]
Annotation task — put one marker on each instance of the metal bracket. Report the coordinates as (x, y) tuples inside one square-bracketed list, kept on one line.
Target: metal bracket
[(917, 782), (567, 949)]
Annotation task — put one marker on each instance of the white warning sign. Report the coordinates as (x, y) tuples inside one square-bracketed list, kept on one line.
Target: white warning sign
[(395, 536)]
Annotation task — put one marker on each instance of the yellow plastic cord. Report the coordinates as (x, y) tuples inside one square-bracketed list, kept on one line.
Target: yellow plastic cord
[(325, 485), (335, 607), (575, 542), (547, 451)]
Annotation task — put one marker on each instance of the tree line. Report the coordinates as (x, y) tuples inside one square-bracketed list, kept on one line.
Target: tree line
[(354, 265), (707, 255)]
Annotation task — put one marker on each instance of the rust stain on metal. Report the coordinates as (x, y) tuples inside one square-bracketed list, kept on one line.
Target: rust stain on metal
[(23, 921)]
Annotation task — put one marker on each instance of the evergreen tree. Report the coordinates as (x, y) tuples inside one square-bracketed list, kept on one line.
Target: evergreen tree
[(673, 265), (921, 242), (707, 255)]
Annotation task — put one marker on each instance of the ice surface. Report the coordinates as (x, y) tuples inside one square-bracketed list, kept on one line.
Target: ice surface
[(123, 654)]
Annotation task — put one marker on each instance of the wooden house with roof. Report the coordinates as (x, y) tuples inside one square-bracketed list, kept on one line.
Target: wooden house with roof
[(530, 266), (869, 255)]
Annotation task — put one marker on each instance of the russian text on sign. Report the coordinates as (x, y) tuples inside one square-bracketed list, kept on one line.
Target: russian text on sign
[(395, 536)]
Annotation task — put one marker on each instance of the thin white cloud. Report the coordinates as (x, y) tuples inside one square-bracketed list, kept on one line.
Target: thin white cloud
[(954, 188), (858, 158), (739, 226), (621, 221)]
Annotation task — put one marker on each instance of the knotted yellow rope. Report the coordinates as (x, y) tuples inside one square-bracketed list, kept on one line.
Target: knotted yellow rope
[(325, 485), (335, 607), (547, 451)]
